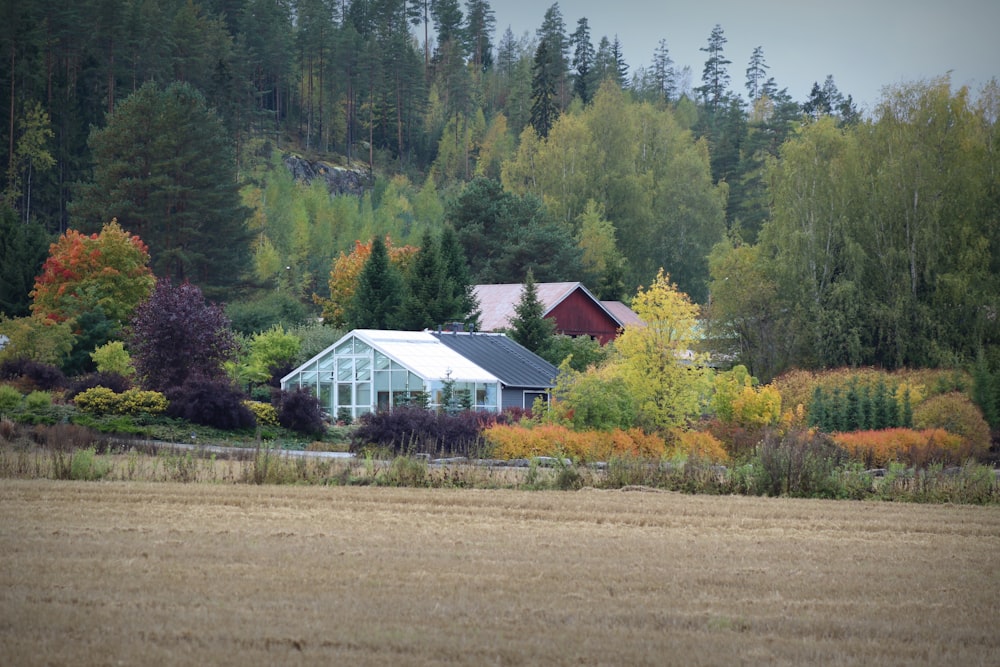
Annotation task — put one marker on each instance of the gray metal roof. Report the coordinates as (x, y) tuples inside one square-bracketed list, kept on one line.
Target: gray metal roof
[(514, 364)]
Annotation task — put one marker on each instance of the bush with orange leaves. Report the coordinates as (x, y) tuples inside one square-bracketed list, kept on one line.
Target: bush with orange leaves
[(521, 442), (700, 445), (904, 445)]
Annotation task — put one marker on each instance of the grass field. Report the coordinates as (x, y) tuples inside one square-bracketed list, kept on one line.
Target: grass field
[(108, 573)]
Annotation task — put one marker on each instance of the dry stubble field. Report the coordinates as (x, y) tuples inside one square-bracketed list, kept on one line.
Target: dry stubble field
[(161, 573)]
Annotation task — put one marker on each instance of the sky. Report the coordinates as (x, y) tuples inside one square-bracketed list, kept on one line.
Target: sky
[(865, 44)]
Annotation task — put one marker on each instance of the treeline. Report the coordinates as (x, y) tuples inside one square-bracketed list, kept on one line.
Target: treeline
[(813, 236), (398, 84)]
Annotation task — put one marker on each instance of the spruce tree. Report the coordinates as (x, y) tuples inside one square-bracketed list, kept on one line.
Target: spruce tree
[(463, 305), (880, 407), (379, 294), (583, 61), (425, 305), (544, 103), (530, 328), (818, 409)]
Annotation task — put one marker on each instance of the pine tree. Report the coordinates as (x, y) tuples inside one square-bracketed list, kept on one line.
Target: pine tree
[(23, 249), (530, 328), (480, 22), (163, 167), (379, 294), (664, 75), (715, 76), (756, 73), (906, 410), (427, 302), (984, 390)]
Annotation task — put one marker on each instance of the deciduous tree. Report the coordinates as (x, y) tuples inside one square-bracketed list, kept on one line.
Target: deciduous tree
[(663, 373), (177, 335), (107, 271)]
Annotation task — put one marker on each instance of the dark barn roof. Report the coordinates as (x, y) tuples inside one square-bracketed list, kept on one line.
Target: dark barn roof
[(512, 363)]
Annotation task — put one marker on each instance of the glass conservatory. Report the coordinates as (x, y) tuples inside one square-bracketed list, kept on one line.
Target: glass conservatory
[(369, 370)]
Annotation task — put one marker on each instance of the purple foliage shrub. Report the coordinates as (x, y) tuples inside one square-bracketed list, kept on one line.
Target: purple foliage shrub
[(413, 430), (300, 411), (210, 401), (44, 377), (114, 381)]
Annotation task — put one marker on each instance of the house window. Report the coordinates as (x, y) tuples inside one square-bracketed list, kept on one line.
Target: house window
[(530, 396)]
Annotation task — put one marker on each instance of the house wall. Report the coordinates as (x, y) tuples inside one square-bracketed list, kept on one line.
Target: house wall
[(578, 315), (519, 397)]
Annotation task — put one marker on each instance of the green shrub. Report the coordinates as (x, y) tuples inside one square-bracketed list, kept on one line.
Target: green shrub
[(38, 400), (85, 465), (10, 398)]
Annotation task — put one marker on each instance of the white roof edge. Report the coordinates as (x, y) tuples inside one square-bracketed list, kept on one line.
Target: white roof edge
[(370, 336)]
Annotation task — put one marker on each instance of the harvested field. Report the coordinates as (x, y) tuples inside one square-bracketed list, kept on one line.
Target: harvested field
[(159, 573)]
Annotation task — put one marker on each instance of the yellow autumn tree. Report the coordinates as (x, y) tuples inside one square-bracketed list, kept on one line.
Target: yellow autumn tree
[(666, 378)]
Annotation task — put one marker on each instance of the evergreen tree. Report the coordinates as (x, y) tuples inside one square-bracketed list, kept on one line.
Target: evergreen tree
[(985, 394), (480, 22), (620, 70), (715, 75), (427, 303), (379, 294), (552, 33), (604, 63), (583, 61), (756, 73), (163, 167), (502, 234), (544, 102), (880, 417), (818, 409), (23, 249), (664, 75), (837, 421), (906, 410), (463, 305), (529, 326)]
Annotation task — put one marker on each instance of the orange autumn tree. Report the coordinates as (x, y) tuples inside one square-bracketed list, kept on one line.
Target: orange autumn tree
[(344, 277), (109, 270)]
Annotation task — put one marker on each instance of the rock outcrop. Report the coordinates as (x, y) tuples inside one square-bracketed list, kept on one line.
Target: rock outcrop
[(339, 180)]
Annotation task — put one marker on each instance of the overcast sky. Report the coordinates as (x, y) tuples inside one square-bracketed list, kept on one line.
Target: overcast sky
[(864, 44)]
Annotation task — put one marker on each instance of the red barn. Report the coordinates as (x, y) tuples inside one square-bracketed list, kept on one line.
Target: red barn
[(574, 309)]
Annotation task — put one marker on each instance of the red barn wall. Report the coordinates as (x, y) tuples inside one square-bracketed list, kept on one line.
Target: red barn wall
[(579, 315)]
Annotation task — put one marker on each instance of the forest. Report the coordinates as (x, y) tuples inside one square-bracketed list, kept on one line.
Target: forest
[(808, 234)]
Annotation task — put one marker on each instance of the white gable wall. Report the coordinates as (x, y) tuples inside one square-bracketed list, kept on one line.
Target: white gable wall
[(368, 370)]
